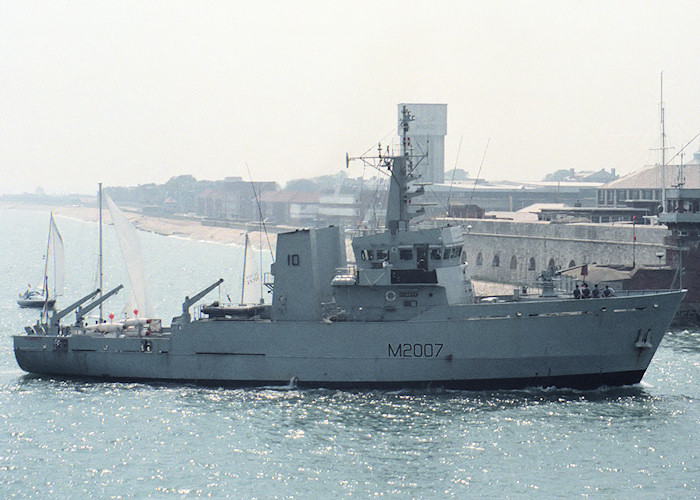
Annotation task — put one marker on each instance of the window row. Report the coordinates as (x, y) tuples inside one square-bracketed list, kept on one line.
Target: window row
[(620, 196), (408, 254), (532, 264)]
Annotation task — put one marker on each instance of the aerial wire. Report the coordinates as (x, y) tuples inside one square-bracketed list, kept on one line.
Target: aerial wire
[(478, 174), (260, 214), (454, 172)]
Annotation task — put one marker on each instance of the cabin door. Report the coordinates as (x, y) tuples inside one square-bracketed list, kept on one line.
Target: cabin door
[(422, 257)]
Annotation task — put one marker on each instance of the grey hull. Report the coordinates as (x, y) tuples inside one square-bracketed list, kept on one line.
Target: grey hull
[(570, 343), (36, 304)]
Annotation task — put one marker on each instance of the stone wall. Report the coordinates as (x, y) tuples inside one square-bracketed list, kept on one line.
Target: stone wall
[(510, 251)]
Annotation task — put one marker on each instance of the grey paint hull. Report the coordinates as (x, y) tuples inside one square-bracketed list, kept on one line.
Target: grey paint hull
[(573, 343), (36, 304)]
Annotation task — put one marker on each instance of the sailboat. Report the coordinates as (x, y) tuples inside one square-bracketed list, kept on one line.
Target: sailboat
[(41, 298)]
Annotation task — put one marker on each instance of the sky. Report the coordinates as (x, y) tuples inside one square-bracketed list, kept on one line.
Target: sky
[(134, 92)]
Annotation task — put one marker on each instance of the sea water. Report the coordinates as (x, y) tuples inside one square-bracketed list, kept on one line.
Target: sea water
[(71, 438)]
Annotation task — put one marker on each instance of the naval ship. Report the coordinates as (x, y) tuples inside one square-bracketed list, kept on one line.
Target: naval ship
[(404, 314)]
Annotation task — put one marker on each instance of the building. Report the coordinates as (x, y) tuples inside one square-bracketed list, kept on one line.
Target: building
[(299, 208), (462, 210), (682, 216), (338, 209), (593, 214), (505, 196), (571, 175), (233, 198), (311, 208), (643, 189)]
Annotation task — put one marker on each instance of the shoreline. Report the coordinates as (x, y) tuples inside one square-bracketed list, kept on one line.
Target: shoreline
[(194, 230), (164, 226)]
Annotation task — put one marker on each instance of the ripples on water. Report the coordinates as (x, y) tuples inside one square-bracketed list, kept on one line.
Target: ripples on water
[(68, 438), (109, 439)]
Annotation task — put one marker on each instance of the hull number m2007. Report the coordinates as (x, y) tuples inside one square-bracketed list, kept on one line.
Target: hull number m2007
[(415, 350)]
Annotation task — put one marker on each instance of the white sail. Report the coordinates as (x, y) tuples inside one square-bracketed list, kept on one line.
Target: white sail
[(59, 258), (133, 258)]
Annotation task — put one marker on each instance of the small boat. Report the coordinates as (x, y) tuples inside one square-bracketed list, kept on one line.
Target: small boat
[(252, 304), (40, 298), (35, 299), (244, 311)]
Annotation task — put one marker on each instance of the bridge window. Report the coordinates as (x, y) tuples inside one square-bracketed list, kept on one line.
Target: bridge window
[(406, 254), (382, 255), (572, 264), (513, 262), (551, 264), (532, 265), (435, 254), (479, 260), (496, 261)]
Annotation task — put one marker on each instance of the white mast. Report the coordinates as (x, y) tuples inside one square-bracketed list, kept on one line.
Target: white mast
[(46, 260), (262, 274), (663, 148), (44, 311), (245, 258), (100, 245)]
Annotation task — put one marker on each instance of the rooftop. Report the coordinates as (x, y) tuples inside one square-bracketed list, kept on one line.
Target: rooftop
[(650, 177)]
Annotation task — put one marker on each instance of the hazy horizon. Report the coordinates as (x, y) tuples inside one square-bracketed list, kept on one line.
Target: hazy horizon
[(129, 93)]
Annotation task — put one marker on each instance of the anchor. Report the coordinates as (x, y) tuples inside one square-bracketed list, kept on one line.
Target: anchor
[(643, 340)]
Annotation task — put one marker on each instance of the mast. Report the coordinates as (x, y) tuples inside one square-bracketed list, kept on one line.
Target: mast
[(100, 245), (45, 309), (663, 147), (397, 217), (46, 261), (245, 258), (402, 168), (260, 258), (52, 224)]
